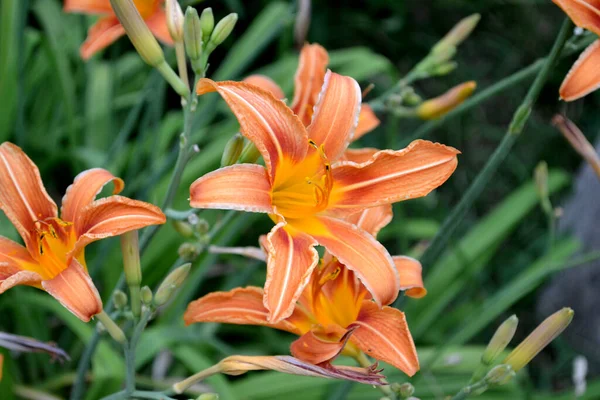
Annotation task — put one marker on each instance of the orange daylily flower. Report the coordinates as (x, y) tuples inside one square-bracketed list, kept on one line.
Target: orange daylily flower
[(53, 256), (309, 191), (335, 312), (310, 76), (108, 28), (584, 76)]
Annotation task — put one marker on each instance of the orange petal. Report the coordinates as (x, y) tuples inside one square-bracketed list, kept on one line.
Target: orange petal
[(392, 176), (336, 114), (101, 35), (265, 83), (384, 335), (273, 128), (243, 187), (359, 252), (23, 197), (14, 259), (242, 306), (411, 278), (158, 26), (359, 156), (14, 278), (113, 216), (372, 219), (584, 76), (74, 289), (88, 6), (291, 258), (309, 79), (317, 349), (583, 13), (367, 121), (84, 190)]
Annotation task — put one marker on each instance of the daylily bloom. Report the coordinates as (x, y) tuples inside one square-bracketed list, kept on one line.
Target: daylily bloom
[(335, 312), (308, 191), (108, 28), (584, 76), (310, 76), (53, 256)]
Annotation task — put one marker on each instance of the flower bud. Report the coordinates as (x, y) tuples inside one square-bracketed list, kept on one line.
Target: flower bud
[(207, 23), (208, 396), (546, 332), (500, 340), (437, 107), (188, 251), (444, 68), (174, 20), (499, 375), (192, 34), (403, 390), (183, 228), (144, 42), (250, 154), (146, 295), (233, 150), (578, 141), (459, 33), (541, 179), (171, 283), (223, 29), (120, 299), (131, 258), (202, 226)]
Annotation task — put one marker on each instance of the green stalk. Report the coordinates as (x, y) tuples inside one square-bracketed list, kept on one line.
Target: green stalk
[(467, 391), (515, 128)]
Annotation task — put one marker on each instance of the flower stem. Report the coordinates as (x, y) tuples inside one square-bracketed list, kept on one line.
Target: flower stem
[(183, 385), (129, 350), (515, 128), (182, 64), (466, 392), (112, 328), (362, 360), (171, 77)]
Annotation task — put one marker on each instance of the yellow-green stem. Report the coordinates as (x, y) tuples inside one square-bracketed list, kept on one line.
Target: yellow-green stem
[(182, 64), (173, 79), (112, 328)]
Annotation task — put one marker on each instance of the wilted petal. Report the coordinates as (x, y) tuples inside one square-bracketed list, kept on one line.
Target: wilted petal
[(584, 76), (158, 26), (384, 335), (318, 348), (367, 121), (101, 35), (372, 219), (74, 289), (392, 176), (584, 13), (113, 216), (291, 258), (273, 128), (411, 278), (309, 79), (265, 83), (359, 156), (243, 306), (360, 252), (238, 187), (14, 278), (23, 197), (84, 190), (336, 114), (26, 344), (88, 6)]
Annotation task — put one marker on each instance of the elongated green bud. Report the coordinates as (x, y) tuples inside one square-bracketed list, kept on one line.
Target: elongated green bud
[(146, 295), (174, 20), (208, 396), (144, 42), (459, 33), (500, 375), (192, 34), (120, 299), (223, 29), (500, 340), (250, 154), (233, 150), (171, 283), (207, 22), (131, 258)]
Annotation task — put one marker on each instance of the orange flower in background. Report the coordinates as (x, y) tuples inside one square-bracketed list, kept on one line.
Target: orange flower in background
[(584, 76), (308, 191), (334, 314), (53, 256), (310, 76), (108, 28)]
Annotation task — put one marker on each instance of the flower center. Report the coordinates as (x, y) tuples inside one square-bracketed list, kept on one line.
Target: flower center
[(302, 190), (55, 240)]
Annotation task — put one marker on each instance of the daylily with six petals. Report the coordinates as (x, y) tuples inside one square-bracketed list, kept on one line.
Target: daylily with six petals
[(108, 28), (584, 76), (334, 314), (53, 256), (308, 190)]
